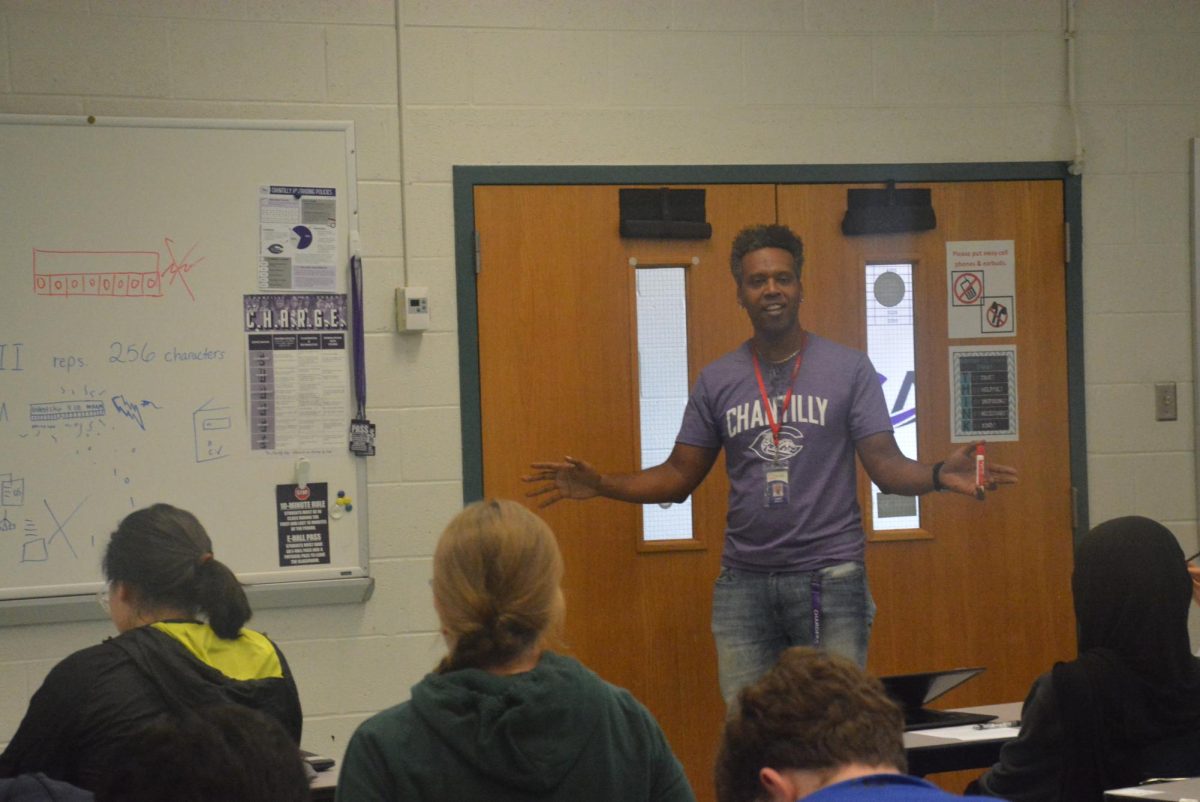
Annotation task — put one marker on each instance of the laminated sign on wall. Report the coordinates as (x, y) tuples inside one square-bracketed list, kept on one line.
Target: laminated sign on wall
[(982, 289), (983, 393)]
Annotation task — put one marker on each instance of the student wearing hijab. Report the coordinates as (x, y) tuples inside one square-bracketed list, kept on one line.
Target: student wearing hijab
[(1128, 707), (162, 578)]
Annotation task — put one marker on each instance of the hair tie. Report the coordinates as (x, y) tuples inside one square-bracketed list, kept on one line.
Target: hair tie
[(205, 558)]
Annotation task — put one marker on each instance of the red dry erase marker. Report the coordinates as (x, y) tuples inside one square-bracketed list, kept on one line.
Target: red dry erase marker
[(980, 472)]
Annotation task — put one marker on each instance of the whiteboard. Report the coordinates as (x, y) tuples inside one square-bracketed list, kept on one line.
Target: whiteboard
[(130, 247)]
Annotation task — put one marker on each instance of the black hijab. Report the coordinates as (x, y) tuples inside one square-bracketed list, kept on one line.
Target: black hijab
[(1135, 682)]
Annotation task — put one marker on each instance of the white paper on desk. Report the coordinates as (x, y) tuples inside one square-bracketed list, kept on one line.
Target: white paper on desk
[(1136, 792), (968, 732)]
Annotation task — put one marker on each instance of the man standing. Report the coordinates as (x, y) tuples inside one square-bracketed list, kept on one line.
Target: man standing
[(815, 727), (791, 409)]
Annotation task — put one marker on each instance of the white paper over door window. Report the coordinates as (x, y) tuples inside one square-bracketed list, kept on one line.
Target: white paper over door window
[(663, 383), (890, 345)]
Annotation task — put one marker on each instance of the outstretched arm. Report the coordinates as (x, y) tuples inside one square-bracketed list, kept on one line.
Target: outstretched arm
[(673, 480), (895, 473)]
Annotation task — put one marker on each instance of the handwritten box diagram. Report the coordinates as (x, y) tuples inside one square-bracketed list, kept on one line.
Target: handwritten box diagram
[(133, 274), (65, 410), (12, 491)]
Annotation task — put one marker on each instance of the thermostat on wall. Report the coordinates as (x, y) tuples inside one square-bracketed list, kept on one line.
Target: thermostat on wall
[(412, 308)]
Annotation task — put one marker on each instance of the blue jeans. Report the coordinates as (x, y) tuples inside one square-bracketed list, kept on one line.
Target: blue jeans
[(755, 617)]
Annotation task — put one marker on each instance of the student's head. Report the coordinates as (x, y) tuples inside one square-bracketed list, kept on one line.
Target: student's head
[(753, 238), (814, 713), (227, 754), (159, 560), (496, 577), (1132, 593)]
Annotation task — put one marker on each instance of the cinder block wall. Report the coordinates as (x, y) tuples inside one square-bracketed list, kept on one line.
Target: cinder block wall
[(433, 83)]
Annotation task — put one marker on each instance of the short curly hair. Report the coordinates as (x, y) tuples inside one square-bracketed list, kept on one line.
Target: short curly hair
[(813, 711), (773, 235), (227, 752)]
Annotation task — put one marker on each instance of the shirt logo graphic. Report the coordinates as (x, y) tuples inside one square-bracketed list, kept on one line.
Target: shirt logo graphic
[(789, 444)]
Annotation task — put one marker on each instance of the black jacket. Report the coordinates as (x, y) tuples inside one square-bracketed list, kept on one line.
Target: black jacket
[(97, 698), (40, 788)]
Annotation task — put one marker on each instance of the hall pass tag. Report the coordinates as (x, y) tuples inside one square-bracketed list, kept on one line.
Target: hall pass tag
[(362, 437)]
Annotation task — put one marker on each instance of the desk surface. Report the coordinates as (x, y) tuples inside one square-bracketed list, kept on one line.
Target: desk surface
[(1160, 792), (928, 754), (324, 785)]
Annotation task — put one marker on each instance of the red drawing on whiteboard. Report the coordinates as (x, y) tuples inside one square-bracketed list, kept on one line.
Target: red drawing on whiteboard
[(110, 274), (180, 269)]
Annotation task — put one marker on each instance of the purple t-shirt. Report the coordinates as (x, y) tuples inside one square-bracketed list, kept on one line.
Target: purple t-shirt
[(837, 400)]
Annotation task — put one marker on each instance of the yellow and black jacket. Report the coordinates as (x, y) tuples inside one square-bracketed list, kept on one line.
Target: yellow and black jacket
[(97, 698)]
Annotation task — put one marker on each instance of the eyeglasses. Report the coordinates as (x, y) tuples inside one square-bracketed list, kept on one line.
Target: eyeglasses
[(102, 598)]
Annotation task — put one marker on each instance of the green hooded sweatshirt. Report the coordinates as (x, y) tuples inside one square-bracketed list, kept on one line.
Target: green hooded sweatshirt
[(558, 732)]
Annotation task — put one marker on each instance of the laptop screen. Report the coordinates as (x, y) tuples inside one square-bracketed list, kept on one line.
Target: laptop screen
[(913, 691)]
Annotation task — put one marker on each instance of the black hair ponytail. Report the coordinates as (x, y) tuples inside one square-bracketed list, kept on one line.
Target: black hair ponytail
[(221, 597), (165, 556)]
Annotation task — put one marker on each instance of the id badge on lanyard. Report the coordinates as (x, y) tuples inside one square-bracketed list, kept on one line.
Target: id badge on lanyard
[(776, 489)]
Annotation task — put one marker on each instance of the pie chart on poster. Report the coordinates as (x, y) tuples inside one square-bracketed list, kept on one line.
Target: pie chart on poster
[(305, 237)]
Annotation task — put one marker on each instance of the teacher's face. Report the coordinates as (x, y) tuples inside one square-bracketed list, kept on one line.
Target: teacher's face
[(770, 291)]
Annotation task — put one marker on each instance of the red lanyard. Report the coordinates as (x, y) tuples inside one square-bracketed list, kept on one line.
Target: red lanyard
[(787, 399)]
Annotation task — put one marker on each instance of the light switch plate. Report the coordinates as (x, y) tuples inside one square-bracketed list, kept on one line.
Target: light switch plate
[(1166, 401)]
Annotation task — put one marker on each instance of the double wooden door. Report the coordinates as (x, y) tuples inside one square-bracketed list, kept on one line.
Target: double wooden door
[(979, 584)]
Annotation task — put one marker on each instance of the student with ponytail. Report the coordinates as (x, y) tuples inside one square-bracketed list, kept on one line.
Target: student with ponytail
[(181, 645), (502, 717)]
